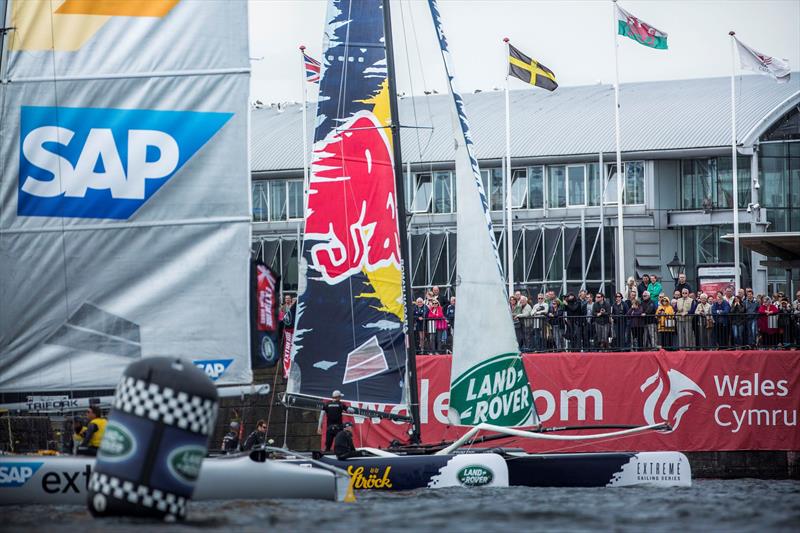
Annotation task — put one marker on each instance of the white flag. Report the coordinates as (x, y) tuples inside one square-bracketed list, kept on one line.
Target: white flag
[(762, 63)]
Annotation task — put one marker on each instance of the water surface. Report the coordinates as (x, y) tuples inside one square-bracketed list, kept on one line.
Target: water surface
[(709, 505)]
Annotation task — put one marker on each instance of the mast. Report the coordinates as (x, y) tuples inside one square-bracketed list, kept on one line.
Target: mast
[(411, 359)]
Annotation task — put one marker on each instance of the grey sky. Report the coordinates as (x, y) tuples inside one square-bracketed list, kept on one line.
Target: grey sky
[(574, 38)]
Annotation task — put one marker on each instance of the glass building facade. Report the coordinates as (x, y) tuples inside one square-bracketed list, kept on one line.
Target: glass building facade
[(560, 241)]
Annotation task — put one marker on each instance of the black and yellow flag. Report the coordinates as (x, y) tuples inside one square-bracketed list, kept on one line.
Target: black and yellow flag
[(530, 71)]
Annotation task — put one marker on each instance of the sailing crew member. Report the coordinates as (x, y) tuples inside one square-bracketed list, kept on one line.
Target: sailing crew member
[(78, 432), (257, 437), (94, 431), (333, 411), (343, 444), (230, 442)]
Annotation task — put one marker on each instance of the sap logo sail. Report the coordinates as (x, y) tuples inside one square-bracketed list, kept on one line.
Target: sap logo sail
[(103, 163), (17, 474), (214, 368)]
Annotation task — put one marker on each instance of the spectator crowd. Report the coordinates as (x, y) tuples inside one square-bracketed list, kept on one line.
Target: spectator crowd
[(640, 317)]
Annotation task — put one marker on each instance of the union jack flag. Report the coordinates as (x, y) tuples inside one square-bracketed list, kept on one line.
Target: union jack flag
[(312, 68)]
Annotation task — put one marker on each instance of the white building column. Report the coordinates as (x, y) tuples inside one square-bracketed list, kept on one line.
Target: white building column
[(757, 225)]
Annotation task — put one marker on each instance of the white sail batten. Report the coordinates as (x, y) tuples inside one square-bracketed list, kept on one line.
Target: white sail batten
[(488, 381)]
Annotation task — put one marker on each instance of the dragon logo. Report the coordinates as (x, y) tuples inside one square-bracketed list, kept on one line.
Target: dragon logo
[(674, 402)]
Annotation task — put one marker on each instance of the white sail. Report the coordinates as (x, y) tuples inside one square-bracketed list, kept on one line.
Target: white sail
[(488, 381), (125, 190)]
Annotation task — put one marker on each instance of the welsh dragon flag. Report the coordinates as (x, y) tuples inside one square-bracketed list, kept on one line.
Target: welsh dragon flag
[(639, 30)]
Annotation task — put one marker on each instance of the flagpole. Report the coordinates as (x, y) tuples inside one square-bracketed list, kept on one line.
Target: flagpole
[(734, 166), (602, 228), (303, 84), (509, 230), (620, 169)]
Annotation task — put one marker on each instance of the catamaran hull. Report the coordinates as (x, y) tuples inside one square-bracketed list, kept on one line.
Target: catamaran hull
[(64, 480), (406, 472), (663, 469)]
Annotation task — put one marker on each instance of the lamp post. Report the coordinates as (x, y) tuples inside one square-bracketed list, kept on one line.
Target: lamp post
[(676, 268)]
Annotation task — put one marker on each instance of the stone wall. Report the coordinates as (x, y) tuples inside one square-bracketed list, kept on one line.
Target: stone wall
[(741, 464), (300, 432)]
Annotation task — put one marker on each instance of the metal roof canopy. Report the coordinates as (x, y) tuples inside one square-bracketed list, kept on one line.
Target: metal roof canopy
[(784, 245), (667, 119)]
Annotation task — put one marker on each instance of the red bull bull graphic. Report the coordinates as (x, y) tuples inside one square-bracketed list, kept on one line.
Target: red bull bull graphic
[(354, 164), (349, 326)]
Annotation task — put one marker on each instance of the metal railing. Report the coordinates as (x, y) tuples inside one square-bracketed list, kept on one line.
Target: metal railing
[(564, 333)]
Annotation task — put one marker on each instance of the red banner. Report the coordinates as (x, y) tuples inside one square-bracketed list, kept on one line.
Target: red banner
[(716, 400), (265, 297), (287, 351)]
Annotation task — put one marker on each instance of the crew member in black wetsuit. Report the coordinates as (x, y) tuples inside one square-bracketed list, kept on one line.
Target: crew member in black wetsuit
[(343, 444), (333, 411), (257, 437)]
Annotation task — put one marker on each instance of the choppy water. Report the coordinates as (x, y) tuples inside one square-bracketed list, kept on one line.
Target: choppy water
[(710, 505)]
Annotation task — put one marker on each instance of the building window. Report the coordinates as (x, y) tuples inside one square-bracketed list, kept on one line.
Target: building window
[(535, 187), (493, 186), (724, 191), (433, 193), (634, 183), (633, 194), (556, 187), (519, 188), (443, 192), (295, 199), (576, 185), (260, 201), (593, 184), (277, 200), (697, 177), (780, 185), (423, 190), (706, 183)]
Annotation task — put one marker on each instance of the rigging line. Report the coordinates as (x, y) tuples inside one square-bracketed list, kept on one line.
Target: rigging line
[(410, 77), (4, 89), (278, 369), (424, 81), (340, 115), (399, 126), (61, 186)]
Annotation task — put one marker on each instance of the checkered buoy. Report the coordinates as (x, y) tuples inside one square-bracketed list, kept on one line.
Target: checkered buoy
[(155, 440)]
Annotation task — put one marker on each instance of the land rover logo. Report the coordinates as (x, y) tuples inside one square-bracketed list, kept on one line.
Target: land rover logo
[(475, 476), (495, 391), (118, 444), (184, 462), (267, 349)]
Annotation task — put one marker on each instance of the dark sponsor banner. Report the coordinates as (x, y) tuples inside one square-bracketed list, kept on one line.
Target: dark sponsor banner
[(287, 351), (349, 327), (714, 400), (264, 327)]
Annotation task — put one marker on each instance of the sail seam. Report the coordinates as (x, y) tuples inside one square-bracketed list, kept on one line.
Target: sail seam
[(164, 74), (130, 225)]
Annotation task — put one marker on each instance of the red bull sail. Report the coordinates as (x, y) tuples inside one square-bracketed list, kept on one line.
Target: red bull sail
[(349, 333)]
